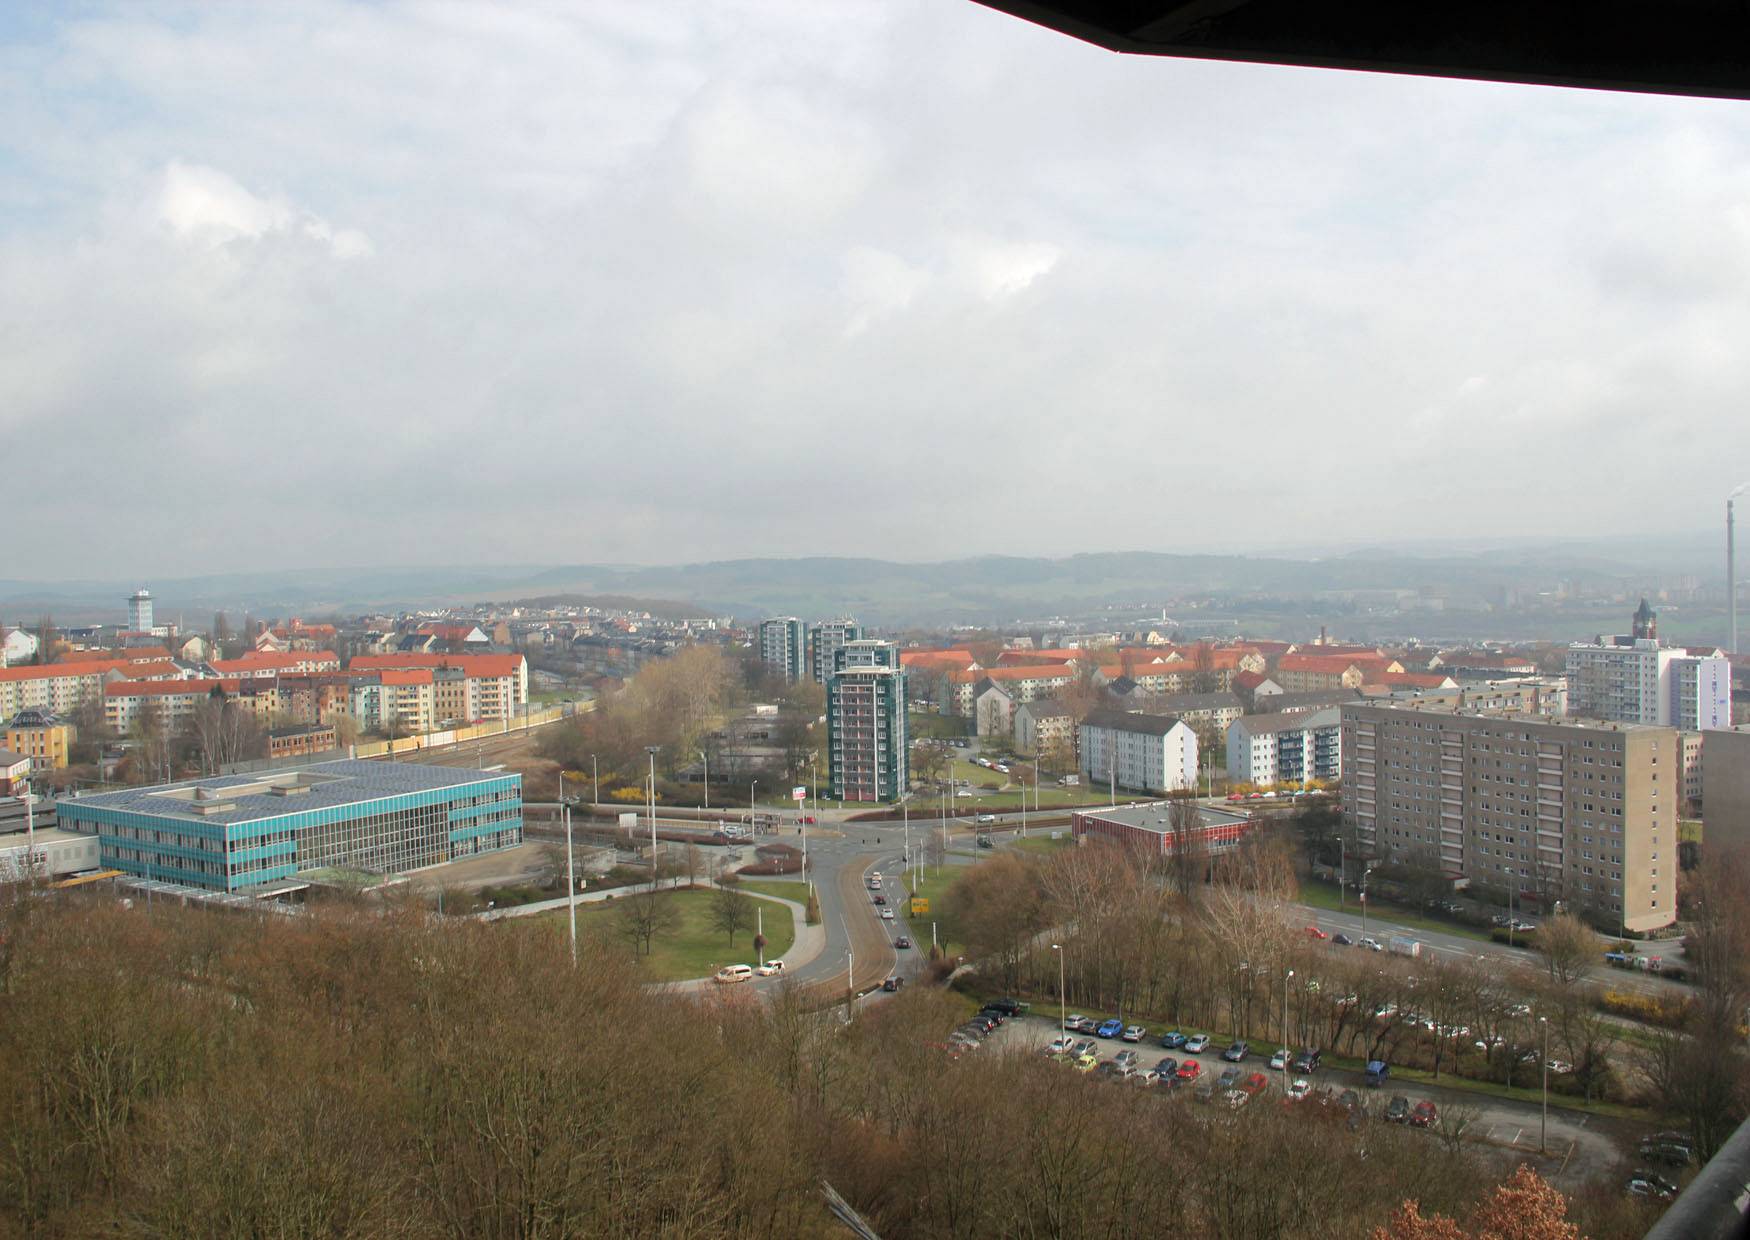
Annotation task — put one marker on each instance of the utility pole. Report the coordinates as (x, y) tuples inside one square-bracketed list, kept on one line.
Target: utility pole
[(1285, 1046), (570, 875), (706, 759), (1062, 999), (651, 750), (1543, 1127), (596, 775)]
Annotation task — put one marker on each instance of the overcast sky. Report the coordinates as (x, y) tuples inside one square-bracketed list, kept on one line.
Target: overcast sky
[(319, 284)]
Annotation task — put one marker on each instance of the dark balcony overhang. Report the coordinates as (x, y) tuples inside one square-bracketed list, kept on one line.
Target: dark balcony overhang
[(1668, 47)]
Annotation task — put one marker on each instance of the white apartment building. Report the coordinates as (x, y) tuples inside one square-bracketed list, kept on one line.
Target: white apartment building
[(824, 641), (783, 646), (1636, 680), (1143, 753), (1270, 749)]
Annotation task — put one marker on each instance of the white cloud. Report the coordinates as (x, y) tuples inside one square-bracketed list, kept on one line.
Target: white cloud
[(200, 204), (674, 262)]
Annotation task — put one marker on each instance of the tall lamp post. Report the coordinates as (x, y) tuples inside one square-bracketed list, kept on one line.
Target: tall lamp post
[(651, 750), (1364, 874), (1062, 1000), (1285, 1046), (706, 759), (595, 774), (1543, 1125), (1342, 870), (570, 870)]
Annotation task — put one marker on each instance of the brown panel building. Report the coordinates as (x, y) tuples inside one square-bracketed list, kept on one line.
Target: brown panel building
[(1568, 810)]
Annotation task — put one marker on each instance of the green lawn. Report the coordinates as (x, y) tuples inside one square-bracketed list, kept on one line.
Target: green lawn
[(1051, 795), (1323, 895), (780, 888), (694, 948)]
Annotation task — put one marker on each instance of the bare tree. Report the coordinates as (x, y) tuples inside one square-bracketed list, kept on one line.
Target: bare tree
[(643, 916), (731, 912), (1570, 949)]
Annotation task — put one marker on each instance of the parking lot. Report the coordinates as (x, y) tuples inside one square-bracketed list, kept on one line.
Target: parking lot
[(1579, 1146)]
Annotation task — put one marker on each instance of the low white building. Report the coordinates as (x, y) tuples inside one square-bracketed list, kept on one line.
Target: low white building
[(17, 646), (1148, 753)]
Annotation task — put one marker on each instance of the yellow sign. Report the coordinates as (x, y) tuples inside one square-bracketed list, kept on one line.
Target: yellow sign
[(919, 906)]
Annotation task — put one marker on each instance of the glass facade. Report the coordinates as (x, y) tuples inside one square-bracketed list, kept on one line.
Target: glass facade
[(237, 832)]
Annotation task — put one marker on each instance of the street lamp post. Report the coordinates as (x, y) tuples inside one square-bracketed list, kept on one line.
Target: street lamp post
[(1364, 874), (1342, 870), (706, 759), (1285, 1046), (1543, 1124), (651, 750), (595, 775), (1062, 1001), (570, 875)]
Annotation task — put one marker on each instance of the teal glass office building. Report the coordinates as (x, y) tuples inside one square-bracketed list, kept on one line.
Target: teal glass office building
[(237, 832)]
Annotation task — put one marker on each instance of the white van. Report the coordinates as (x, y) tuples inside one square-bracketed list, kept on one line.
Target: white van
[(734, 973)]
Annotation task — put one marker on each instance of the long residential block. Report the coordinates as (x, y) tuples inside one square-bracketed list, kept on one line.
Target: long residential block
[(1556, 810)]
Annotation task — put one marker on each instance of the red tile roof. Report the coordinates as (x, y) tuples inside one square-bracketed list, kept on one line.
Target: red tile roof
[(54, 671), (256, 660)]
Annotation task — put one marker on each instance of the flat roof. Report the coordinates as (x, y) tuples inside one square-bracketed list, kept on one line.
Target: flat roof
[(1156, 815), (271, 794), (45, 837)]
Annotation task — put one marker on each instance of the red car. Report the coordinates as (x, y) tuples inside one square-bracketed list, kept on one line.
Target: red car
[(1189, 1070), (1425, 1115), (1255, 1084), (1315, 932)]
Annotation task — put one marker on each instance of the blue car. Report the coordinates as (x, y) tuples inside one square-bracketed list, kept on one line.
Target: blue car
[(1173, 1041), (1109, 1028)]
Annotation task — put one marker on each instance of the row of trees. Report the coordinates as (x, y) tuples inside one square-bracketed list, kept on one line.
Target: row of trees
[(1210, 943), (388, 1074), (678, 704)]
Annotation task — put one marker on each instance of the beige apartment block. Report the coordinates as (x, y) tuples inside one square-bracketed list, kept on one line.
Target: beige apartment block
[(1725, 763), (1558, 810)]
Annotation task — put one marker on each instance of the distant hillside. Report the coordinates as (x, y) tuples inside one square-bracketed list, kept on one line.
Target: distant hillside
[(982, 589)]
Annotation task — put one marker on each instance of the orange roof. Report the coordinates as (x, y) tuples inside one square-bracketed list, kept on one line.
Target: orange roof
[(1334, 649), (54, 671), (404, 675), (1037, 658), (256, 660), (959, 659), (472, 664), (1333, 664), (150, 671)]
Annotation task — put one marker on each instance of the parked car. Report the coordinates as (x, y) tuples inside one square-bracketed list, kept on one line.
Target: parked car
[(1197, 1043), (992, 1014), (1167, 1068), (1237, 1098), (1256, 1083), (1127, 1058), (1425, 1115), (1307, 1060), (1351, 1101), (1671, 1153), (1299, 1090), (1008, 1007), (1372, 945), (1084, 1046), (902, 942), (1279, 1060), (1229, 1079), (1057, 1046), (1109, 1028), (1560, 1066), (1073, 1023), (1112, 1070), (893, 983), (1650, 1184), (1315, 933), (1172, 1041), (1134, 1033), (1397, 1111), (770, 968), (1377, 1073), (1236, 1051), (1189, 1070), (1342, 940), (730, 973), (1086, 1061)]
